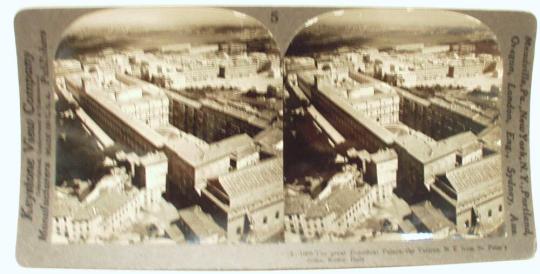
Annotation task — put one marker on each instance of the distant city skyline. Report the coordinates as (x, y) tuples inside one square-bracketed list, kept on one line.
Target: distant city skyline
[(148, 28), (384, 28), (153, 19)]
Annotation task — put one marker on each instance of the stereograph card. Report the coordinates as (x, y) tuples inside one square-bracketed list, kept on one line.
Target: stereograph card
[(273, 137)]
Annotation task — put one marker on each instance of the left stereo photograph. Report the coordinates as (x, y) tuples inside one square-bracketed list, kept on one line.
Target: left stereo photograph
[(168, 128)]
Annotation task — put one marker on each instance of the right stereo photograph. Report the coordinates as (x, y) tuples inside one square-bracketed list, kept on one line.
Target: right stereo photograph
[(391, 128)]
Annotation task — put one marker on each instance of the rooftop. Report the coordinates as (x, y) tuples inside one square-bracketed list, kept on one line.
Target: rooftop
[(375, 97), (269, 137), (476, 175), (378, 130), (383, 155), (197, 154), (470, 148), (105, 205), (476, 116), (234, 144), (236, 113), (153, 157), (340, 200), (401, 92), (332, 132), (200, 223), (425, 150), (432, 218), (139, 127), (183, 99), (491, 136), (254, 183)]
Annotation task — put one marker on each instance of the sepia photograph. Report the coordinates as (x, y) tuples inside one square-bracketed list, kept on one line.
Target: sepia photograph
[(391, 128), (169, 129)]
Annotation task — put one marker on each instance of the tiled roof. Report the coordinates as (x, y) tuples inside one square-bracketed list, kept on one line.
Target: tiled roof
[(254, 183), (477, 174)]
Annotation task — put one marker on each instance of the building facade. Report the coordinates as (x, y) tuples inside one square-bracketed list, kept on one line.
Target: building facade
[(471, 196), (248, 203)]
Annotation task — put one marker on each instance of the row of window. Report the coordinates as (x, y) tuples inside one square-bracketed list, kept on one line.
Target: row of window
[(264, 221), (489, 215)]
